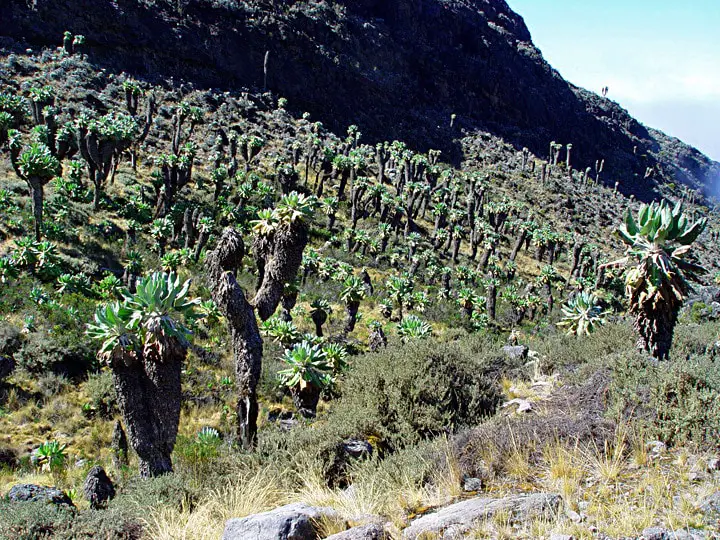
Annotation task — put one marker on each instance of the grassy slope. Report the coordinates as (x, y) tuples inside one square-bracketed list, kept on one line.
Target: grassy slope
[(624, 491)]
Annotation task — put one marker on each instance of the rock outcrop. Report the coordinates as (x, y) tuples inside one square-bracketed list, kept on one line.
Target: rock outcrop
[(291, 522), (459, 518), (32, 493)]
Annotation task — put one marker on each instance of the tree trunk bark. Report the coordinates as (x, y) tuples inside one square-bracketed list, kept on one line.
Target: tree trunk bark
[(36, 189), (306, 400)]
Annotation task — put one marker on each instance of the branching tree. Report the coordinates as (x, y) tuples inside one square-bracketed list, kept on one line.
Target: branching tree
[(280, 239)]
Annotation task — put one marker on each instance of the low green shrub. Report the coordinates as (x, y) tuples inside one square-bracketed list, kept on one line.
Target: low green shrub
[(418, 391), (394, 400), (168, 490), (30, 521), (676, 402), (101, 393), (61, 354)]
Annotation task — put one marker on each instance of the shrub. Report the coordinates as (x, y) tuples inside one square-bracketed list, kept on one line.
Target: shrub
[(61, 354), (418, 391), (678, 402), (101, 394), (9, 340), (167, 490), (29, 521)]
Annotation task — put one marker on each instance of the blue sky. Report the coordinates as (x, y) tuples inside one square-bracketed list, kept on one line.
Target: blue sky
[(660, 59)]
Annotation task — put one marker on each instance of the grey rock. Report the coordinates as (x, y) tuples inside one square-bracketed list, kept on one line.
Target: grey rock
[(710, 507), (692, 534), (713, 464), (357, 448), (473, 484), (33, 493), (459, 518), (573, 516), (556, 536), (656, 533), (660, 533), (657, 447), (695, 476), (516, 352), (372, 531), (98, 488), (289, 522)]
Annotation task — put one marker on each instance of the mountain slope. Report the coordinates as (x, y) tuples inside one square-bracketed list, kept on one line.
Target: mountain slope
[(397, 69)]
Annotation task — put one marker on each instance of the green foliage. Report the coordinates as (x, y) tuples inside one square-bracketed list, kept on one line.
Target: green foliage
[(679, 401), (38, 161), (14, 105), (658, 272), (50, 456), (283, 332), (61, 350), (30, 521), (336, 356), (101, 393), (155, 309), (413, 327), (307, 365), (582, 314), (353, 290), (416, 391)]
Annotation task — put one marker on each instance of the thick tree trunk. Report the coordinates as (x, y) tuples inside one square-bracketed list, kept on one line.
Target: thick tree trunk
[(306, 400), (378, 340), (245, 335), (351, 311), (319, 318), (97, 194), (149, 395), (36, 189), (491, 300), (518, 244), (655, 327)]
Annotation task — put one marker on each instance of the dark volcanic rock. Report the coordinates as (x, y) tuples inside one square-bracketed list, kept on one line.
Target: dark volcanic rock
[(398, 69), (33, 493), (98, 488)]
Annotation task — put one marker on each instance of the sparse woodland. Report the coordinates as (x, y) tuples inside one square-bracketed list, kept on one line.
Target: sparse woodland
[(229, 307)]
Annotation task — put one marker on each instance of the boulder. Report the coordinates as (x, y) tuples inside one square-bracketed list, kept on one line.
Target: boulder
[(710, 508), (660, 533), (98, 488), (656, 533), (357, 449), (8, 457), (33, 493), (473, 484), (372, 531), (289, 522), (460, 517)]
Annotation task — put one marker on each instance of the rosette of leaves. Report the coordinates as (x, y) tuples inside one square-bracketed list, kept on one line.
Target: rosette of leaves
[(413, 327), (307, 374), (582, 315), (49, 456)]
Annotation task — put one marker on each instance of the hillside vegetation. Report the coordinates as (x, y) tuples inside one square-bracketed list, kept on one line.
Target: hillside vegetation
[(230, 307)]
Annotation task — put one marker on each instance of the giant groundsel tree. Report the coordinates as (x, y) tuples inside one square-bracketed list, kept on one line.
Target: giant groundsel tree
[(659, 266), (145, 344)]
